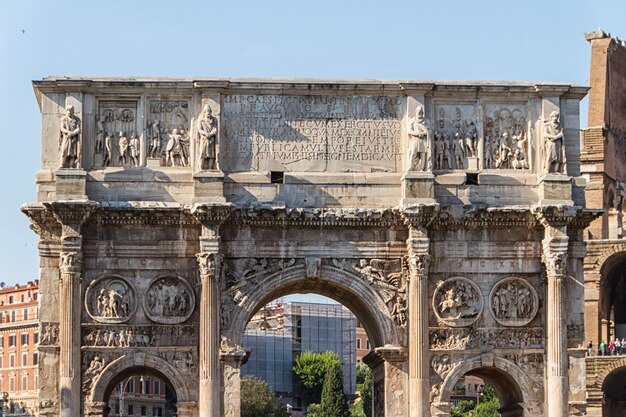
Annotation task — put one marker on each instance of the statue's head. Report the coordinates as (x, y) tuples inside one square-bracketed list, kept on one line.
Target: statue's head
[(207, 111), (554, 117), (69, 110)]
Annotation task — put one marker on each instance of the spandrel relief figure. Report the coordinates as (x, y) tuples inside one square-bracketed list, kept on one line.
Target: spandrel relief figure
[(419, 131), (69, 146), (155, 139), (110, 300), (207, 139), (134, 149), (553, 143), (122, 143), (457, 302), (169, 300)]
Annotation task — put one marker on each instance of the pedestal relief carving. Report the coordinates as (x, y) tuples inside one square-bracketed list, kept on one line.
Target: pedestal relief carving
[(169, 300), (170, 122), (49, 334), (69, 140), (457, 302), (513, 302), (110, 300), (554, 151), (506, 137)]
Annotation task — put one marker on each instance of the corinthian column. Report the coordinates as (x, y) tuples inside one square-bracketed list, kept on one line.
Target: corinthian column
[(69, 332), (209, 396), (555, 259), (419, 262)]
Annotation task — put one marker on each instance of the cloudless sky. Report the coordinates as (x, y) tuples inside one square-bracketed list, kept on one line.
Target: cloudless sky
[(417, 40)]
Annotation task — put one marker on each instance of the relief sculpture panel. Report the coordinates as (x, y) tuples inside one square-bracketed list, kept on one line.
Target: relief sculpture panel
[(506, 137), (116, 143), (513, 302), (169, 300), (169, 138), (455, 137), (110, 300), (457, 302), (312, 133)]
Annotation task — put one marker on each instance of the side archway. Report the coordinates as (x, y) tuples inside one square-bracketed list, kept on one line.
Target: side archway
[(519, 395), (613, 389), (127, 364)]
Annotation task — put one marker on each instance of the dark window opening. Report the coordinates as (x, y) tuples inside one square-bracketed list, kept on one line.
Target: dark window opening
[(277, 177), (472, 178)]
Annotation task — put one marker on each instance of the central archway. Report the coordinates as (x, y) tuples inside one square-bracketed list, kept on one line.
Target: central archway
[(614, 390)]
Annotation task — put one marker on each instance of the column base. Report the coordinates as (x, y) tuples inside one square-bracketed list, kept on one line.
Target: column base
[(208, 187), (71, 184), (555, 189)]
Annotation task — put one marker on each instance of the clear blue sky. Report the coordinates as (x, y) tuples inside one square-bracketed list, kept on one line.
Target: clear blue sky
[(434, 40)]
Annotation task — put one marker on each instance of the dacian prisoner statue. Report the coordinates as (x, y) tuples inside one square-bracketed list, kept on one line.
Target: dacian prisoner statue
[(419, 137), (207, 138), (69, 148)]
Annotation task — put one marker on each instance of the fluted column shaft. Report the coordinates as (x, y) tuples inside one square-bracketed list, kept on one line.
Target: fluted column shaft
[(419, 262), (69, 332), (555, 259), (210, 387)]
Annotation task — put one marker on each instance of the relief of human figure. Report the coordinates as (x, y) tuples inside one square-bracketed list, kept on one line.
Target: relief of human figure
[(174, 149), (123, 148), (207, 139), (155, 139), (134, 149), (185, 142), (554, 149), (69, 146), (471, 137), (100, 134), (108, 149), (419, 131)]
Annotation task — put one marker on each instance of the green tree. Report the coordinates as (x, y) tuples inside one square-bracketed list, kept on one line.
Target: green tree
[(258, 399), (362, 407), (334, 402), (311, 369), (366, 393), (487, 407), (462, 408)]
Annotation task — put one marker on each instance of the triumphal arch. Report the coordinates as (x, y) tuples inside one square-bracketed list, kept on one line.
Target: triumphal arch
[(447, 216)]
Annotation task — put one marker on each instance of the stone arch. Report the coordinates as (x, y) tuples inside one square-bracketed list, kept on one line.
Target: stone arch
[(365, 302), (613, 389), (102, 385), (610, 367), (517, 392), (608, 263)]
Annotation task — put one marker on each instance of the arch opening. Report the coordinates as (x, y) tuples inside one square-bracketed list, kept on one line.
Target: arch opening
[(292, 325), (614, 390), (613, 298), (140, 390)]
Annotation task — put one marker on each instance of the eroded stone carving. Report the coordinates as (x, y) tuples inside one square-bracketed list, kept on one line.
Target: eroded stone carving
[(487, 338), (183, 361), (207, 139), (456, 137), (173, 117), (69, 144), (514, 302), (115, 118), (506, 141), (169, 300), (110, 300), (457, 302), (94, 368), (155, 139), (133, 148), (137, 336), (553, 145), (442, 365), (49, 334), (122, 144), (71, 262), (419, 131)]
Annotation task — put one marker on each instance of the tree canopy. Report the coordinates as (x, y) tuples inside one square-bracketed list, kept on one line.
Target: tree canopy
[(334, 402), (311, 369), (258, 399)]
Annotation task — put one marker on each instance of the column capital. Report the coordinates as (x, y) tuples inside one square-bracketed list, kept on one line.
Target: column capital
[(212, 214), (71, 215), (209, 264), (392, 353), (419, 216), (70, 262)]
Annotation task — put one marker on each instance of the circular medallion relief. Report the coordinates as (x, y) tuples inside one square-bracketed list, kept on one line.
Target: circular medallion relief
[(110, 299), (513, 302), (457, 302), (169, 300)]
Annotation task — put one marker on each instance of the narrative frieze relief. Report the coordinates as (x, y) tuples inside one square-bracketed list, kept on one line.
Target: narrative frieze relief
[(169, 300), (506, 137), (455, 137), (318, 133), (169, 138), (486, 338), (116, 141), (514, 302), (457, 302), (110, 300), (137, 336)]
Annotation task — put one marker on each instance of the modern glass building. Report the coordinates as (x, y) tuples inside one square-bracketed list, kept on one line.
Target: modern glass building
[(281, 331)]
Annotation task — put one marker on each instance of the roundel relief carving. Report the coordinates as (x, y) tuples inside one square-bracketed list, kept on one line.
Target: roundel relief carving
[(457, 302), (169, 300), (514, 302), (110, 300)]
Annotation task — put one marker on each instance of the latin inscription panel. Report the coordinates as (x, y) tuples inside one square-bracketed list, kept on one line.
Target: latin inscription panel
[(311, 133)]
